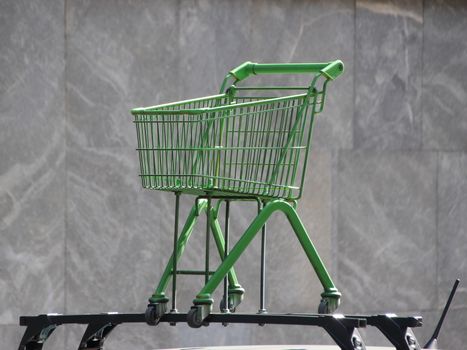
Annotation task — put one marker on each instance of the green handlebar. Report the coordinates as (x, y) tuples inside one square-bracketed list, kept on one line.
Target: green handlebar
[(330, 69)]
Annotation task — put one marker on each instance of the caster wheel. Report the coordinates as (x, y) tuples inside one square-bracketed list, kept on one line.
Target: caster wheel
[(153, 313), (194, 318), (150, 316)]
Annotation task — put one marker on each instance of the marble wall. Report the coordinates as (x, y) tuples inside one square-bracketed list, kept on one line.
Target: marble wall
[(385, 199)]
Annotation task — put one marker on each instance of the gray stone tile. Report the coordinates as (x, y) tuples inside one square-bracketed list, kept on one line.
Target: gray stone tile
[(233, 35), (113, 240), (306, 32), (303, 32), (197, 34), (32, 231), (388, 75), (32, 158), (444, 66), (120, 55), (386, 230), (214, 38), (452, 225)]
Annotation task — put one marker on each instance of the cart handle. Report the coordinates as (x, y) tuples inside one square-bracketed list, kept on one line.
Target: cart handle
[(330, 70)]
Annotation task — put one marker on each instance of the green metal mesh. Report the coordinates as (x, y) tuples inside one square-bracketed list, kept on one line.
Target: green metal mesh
[(226, 145)]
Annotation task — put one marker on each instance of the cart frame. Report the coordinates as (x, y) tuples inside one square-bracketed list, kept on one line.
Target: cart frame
[(229, 148)]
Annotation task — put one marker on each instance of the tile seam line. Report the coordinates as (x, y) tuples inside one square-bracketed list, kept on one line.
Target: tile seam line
[(65, 248), (437, 277), (354, 56), (422, 83)]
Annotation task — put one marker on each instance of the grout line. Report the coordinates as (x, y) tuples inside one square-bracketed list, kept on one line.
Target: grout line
[(65, 247), (422, 144), (437, 277), (354, 97)]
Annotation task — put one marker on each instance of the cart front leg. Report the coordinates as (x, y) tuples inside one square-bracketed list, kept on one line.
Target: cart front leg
[(203, 301), (235, 290)]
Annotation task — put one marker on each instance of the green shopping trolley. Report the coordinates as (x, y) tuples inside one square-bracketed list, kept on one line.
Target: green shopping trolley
[(243, 144)]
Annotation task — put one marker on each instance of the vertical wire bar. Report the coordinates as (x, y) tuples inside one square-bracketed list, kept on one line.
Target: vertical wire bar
[(166, 137), (243, 148), (153, 151), (208, 234), (226, 174), (170, 152), (237, 129), (248, 138), (175, 254), (145, 152), (262, 289), (226, 252), (138, 137), (160, 155), (148, 152)]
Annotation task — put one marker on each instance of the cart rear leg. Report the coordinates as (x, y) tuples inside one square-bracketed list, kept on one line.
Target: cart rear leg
[(235, 290), (330, 296)]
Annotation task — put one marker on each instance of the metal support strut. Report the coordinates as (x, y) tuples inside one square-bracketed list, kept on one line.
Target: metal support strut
[(262, 287), (175, 254)]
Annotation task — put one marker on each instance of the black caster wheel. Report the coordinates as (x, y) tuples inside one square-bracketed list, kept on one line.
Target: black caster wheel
[(150, 316), (194, 318), (153, 313)]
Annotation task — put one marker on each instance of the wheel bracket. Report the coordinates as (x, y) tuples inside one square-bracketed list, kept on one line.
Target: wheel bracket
[(95, 335), (37, 332)]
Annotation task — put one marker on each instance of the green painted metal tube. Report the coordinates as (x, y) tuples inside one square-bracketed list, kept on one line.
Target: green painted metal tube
[(330, 69), (204, 296), (159, 294), (220, 244), (196, 210)]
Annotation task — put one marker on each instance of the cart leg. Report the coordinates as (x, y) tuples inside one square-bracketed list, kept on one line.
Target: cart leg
[(235, 290), (262, 288), (158, 301), (331, 295)]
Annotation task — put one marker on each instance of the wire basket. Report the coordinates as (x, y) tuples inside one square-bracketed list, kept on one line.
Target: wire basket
[(229, 144)]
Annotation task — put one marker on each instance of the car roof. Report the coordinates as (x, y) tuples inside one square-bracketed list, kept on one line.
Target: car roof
[(275, 347)]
